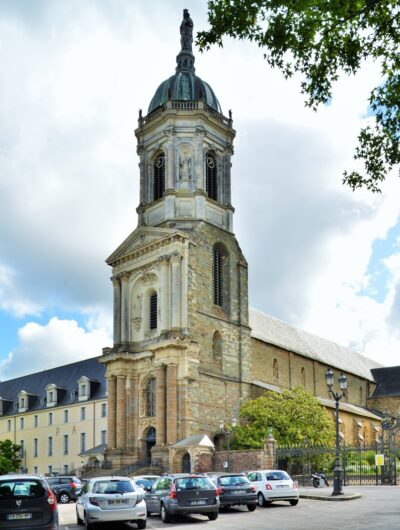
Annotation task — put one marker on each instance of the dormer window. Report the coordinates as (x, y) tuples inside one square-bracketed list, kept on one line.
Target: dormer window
[(84, 388), (22, 401), (51, 395)]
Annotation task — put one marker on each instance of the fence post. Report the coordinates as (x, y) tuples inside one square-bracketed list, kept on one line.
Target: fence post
[(270, 451)]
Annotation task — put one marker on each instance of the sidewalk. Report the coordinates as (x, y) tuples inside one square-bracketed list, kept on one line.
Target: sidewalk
[(325, 494)]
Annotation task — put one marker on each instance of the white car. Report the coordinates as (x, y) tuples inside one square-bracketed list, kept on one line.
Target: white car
[(274, 485), (111, 499)]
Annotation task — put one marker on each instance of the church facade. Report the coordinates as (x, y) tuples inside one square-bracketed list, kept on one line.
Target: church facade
[(187, 351)]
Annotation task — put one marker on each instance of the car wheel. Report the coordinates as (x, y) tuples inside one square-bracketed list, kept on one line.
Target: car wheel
[(141, 523), (88, 525), (78, 519), (165, 516), (260, 499), (294, 502), (251, 507), (64, 498), (212, 516)]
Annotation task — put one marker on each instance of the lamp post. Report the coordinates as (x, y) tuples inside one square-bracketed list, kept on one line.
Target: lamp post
[(337, 396), (227, 430)]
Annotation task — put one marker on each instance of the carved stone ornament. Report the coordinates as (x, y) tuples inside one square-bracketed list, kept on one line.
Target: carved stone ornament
[(137, 322), (185, 167), (148, 278)]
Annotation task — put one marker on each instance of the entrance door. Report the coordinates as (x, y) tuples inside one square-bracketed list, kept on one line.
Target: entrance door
[(150, 442), (186, 463)]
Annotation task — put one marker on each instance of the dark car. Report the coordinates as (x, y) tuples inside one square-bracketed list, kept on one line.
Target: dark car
[(235, 489), (65, 488), (183, 494), (27, 503)]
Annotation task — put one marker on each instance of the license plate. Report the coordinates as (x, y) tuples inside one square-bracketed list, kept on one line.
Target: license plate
[(281, 486), (18, 516), (240, 492), (119, 501), (197, 503)]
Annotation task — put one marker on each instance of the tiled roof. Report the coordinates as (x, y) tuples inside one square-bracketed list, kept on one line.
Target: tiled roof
[(64, 377), (274, 331), (388, 380)]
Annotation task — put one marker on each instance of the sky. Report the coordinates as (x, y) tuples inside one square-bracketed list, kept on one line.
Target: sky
[(73, 76)]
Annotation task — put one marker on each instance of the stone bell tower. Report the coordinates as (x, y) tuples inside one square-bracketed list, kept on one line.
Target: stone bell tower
[(181, 358)]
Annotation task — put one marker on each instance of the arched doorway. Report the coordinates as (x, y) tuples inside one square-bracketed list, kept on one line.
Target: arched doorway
[(150, 442), (186, 465)]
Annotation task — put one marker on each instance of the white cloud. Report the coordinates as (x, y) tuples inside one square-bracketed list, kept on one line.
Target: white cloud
[(46, 346)]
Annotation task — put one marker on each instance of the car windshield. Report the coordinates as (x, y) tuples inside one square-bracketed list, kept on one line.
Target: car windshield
[(278, 475), (20, 488), (233, 480), (113, 486), (145, 482), (193, 483)]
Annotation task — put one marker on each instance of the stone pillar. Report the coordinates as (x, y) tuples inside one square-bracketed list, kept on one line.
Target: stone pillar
[(160, 405), (117, 309), (134, 415), (184, 293), (124, 307), (170, 161), (175, 291), (111, 386), (172, 400), (164, 302), (121, 412), (269, 452)]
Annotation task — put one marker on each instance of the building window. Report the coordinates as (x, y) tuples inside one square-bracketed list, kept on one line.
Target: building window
[(50, 446), (83, 413), (151, 398), (65, 444), (65, 416), (65, 467), (84, 388), (217, 350), (303, 376), (103, 437), (275, 370), (83, 442), (153, 311), (103, 410), (35, 447), (220, 273), (21, 423), (21, 449), (35, 470), (50, 470), (159, 177), (50, 418), (361, 396), (35, 420), (8, 425), (211, 176)]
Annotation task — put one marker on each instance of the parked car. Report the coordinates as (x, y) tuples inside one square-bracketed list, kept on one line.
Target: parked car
[(274, 485), (26, 503), (145, 481), (111, 499), (235, 489), (65, 488), (177, 494)]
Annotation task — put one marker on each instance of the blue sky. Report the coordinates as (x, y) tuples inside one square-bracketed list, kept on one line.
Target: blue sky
[(74, 75)]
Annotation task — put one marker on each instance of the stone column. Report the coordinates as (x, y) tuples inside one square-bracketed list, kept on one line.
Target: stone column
[(117, 309), (164, 284), (172, 400), (121, 412), (111, 386), (184, 293), (134, 415), (170, 161), (160, 405), (175, 291), (124, 307)]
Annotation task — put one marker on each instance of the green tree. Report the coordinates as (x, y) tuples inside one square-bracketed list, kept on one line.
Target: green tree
[(296, 418), (9, 456), (322, 39)]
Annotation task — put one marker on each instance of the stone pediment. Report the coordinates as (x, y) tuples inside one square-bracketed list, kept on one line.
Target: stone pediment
[(142, 237)]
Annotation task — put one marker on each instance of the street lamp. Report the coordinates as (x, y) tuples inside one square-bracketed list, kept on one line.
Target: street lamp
[(227, 431), (337, 396)]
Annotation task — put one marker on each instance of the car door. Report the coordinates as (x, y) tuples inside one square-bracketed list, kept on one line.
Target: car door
[(256, 478), (162, 488), (151, 499)]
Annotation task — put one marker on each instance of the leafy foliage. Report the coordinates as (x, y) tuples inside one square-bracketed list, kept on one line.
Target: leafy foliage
[(321, 39), (296, 418), (9, 457)]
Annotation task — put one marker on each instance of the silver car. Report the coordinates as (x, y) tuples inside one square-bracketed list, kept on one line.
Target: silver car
[(111, 499)]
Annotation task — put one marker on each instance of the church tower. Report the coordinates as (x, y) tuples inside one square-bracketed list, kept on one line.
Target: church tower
[(181, 358)]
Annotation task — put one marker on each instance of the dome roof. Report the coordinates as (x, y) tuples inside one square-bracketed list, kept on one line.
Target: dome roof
[(185, 85)]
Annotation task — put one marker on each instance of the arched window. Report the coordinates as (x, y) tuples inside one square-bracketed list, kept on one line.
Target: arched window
[(211, 176), (153, 311), (275, 370), (151, 398), (159, 177), (220, 276), (217, 350), (303, 376)]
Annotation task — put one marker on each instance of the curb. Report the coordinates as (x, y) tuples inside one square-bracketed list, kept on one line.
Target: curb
[(334, 498)]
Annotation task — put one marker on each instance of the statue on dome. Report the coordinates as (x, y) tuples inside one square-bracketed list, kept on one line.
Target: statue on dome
[(186, 30)]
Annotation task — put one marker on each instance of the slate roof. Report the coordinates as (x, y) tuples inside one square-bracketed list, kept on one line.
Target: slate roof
[(274, 331), (64, 377), (388, 380)]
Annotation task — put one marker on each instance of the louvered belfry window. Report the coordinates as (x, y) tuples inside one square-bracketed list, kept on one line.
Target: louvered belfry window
[(151, 398), (211, 177), (218, 276), (153, 311), (159, 177)]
